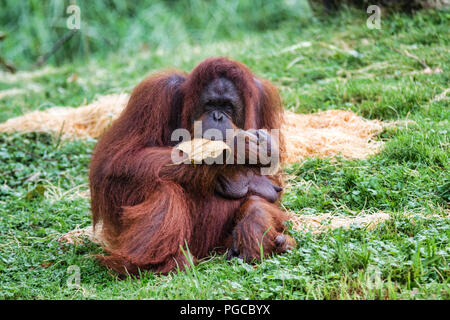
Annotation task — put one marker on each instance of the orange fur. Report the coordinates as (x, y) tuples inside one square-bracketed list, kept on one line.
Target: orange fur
[(149, 209)]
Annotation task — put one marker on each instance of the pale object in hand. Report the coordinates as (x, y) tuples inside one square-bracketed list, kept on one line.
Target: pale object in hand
[(200, 149)]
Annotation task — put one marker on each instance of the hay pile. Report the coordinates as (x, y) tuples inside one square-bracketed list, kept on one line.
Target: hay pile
[(313, 223), (79, 236), (330, 133), (83, 122), (323, 134), (324, 222)]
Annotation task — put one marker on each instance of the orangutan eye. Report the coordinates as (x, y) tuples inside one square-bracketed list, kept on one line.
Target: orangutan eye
[(228, 110)]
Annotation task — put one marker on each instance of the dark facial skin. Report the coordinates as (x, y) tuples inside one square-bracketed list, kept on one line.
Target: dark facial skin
[(220, 107)]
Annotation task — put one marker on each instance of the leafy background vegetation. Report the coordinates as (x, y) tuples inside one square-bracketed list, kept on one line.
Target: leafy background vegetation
[(318, 64)]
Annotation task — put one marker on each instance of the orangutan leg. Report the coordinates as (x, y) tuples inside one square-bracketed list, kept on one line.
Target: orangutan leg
[(154, 234), (259, 230)]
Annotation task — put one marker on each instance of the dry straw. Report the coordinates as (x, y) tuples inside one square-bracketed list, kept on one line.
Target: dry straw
[(78, 236), (83, 122), (330, 133), (308, 223), (323, 134), (327, 221)]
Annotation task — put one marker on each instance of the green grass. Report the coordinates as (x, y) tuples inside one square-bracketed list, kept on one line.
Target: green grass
[(406, 257), (32, 27)]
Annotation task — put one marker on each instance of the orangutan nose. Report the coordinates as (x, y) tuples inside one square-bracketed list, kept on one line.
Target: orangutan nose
[(217, 116)]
